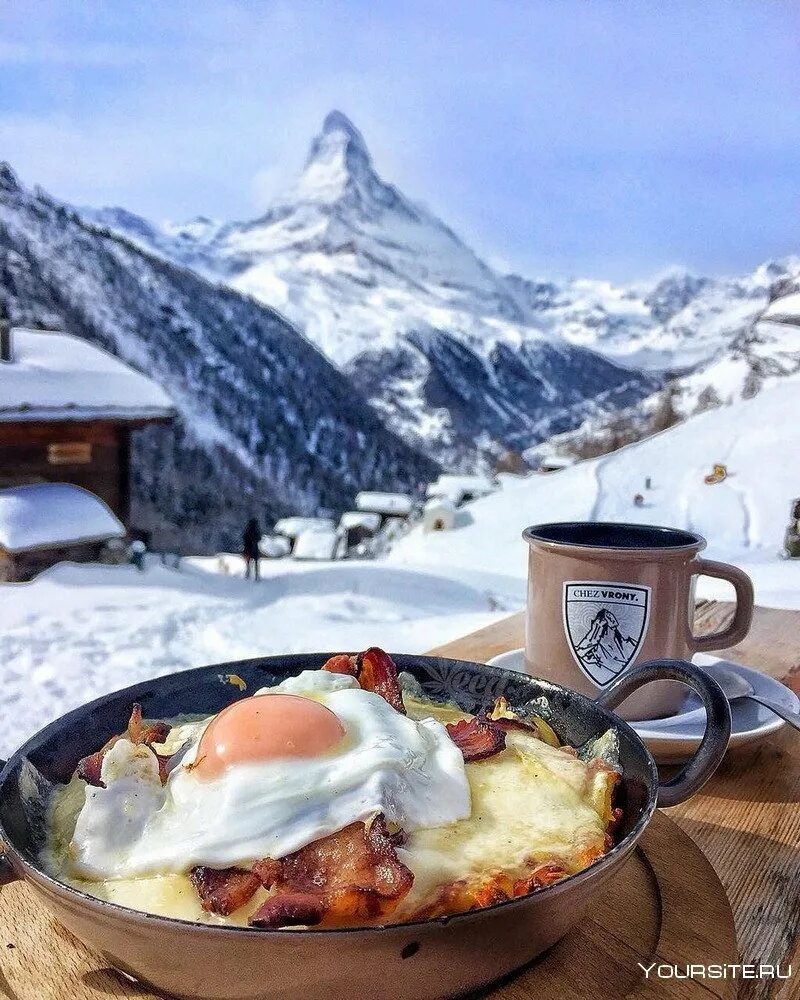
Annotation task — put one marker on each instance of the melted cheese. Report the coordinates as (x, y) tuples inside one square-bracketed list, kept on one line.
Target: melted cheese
[(531, 804)]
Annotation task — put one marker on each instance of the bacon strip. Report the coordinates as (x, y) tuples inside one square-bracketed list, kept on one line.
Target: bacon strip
[(377, 672), (462, 896), (138, 732), (352, 875), (341, 664), (288, 910), (477, 738), (89, 768), (268, 872), (223, 890)]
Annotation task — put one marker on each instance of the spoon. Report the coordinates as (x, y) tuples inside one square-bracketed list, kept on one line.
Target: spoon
[(734, 687)]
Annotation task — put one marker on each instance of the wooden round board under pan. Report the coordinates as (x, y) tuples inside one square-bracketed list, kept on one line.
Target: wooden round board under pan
[(667, 906)]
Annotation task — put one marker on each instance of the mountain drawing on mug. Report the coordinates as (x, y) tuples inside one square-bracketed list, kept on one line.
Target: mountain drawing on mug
[(605, 645), (605, 625)]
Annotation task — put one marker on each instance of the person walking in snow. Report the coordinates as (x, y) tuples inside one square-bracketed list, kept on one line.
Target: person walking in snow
[(250, 539)]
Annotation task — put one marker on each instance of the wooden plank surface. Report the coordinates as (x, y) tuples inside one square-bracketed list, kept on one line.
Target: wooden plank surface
[(747, 818)]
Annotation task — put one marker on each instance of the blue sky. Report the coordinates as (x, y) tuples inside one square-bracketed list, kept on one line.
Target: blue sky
[(592, 138)]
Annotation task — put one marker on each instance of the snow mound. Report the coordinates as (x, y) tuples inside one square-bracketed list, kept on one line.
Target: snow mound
[(49, 514)]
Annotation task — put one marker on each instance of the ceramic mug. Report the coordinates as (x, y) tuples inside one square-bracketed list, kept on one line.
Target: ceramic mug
[(603, 597)]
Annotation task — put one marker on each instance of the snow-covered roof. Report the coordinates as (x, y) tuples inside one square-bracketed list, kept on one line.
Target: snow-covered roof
[(555, 461), (291, 527), (385, 503), (437, 504), (54, 376), (360, 519), (455, 488), (45, 515), (315, 545), (274, 546)]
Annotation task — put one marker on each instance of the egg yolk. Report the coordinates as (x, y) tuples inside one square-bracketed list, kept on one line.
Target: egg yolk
[(264, 728)]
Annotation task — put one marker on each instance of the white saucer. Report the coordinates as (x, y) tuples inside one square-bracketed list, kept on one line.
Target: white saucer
[(674, 740)]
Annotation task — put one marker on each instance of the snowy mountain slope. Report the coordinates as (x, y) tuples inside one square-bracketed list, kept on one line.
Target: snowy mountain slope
[(434, 386), (251, 437), (681, 322), (745, 516), (458, 358), (392, 295), (766, 349)]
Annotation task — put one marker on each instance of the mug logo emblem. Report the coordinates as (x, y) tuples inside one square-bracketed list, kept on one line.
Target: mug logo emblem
[(605, 624)]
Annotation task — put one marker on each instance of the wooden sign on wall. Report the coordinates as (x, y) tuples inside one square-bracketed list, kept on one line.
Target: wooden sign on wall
[(69, 453)]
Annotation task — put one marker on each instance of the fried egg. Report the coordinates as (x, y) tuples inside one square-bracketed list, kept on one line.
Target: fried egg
[(267, 776)]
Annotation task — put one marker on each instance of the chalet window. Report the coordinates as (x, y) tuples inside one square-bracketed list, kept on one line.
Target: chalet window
[(69, 453)]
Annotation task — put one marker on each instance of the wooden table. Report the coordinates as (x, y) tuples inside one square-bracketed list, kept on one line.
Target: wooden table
[(747, 818)]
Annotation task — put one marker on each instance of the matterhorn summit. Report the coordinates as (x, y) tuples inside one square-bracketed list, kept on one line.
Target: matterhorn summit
[(338, 164)]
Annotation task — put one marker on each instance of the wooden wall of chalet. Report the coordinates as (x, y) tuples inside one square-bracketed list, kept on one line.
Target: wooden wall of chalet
[(17, 567), (92, 454)]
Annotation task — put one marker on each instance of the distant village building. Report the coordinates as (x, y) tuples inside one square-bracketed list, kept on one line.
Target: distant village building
[(554, 463), (46, 523), (438, 514), (791, 540), (67, 410), (461, 489), (357, 527), (292, 527), (317, 545), (386, 505)]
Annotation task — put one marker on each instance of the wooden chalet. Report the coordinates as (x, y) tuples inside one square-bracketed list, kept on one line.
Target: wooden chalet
[(67, 411)]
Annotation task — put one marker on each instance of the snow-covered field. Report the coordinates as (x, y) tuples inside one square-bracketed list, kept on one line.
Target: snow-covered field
[(79, 631)]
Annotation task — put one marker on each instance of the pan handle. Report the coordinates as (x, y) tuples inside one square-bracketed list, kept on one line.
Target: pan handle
[(7, 873), (714, 743)]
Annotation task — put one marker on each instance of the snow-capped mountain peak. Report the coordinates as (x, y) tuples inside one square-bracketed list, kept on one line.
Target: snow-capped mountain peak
[(338, 160)]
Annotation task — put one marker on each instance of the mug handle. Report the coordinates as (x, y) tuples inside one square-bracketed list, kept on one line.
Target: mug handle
[(714, 743), (742, 615)]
